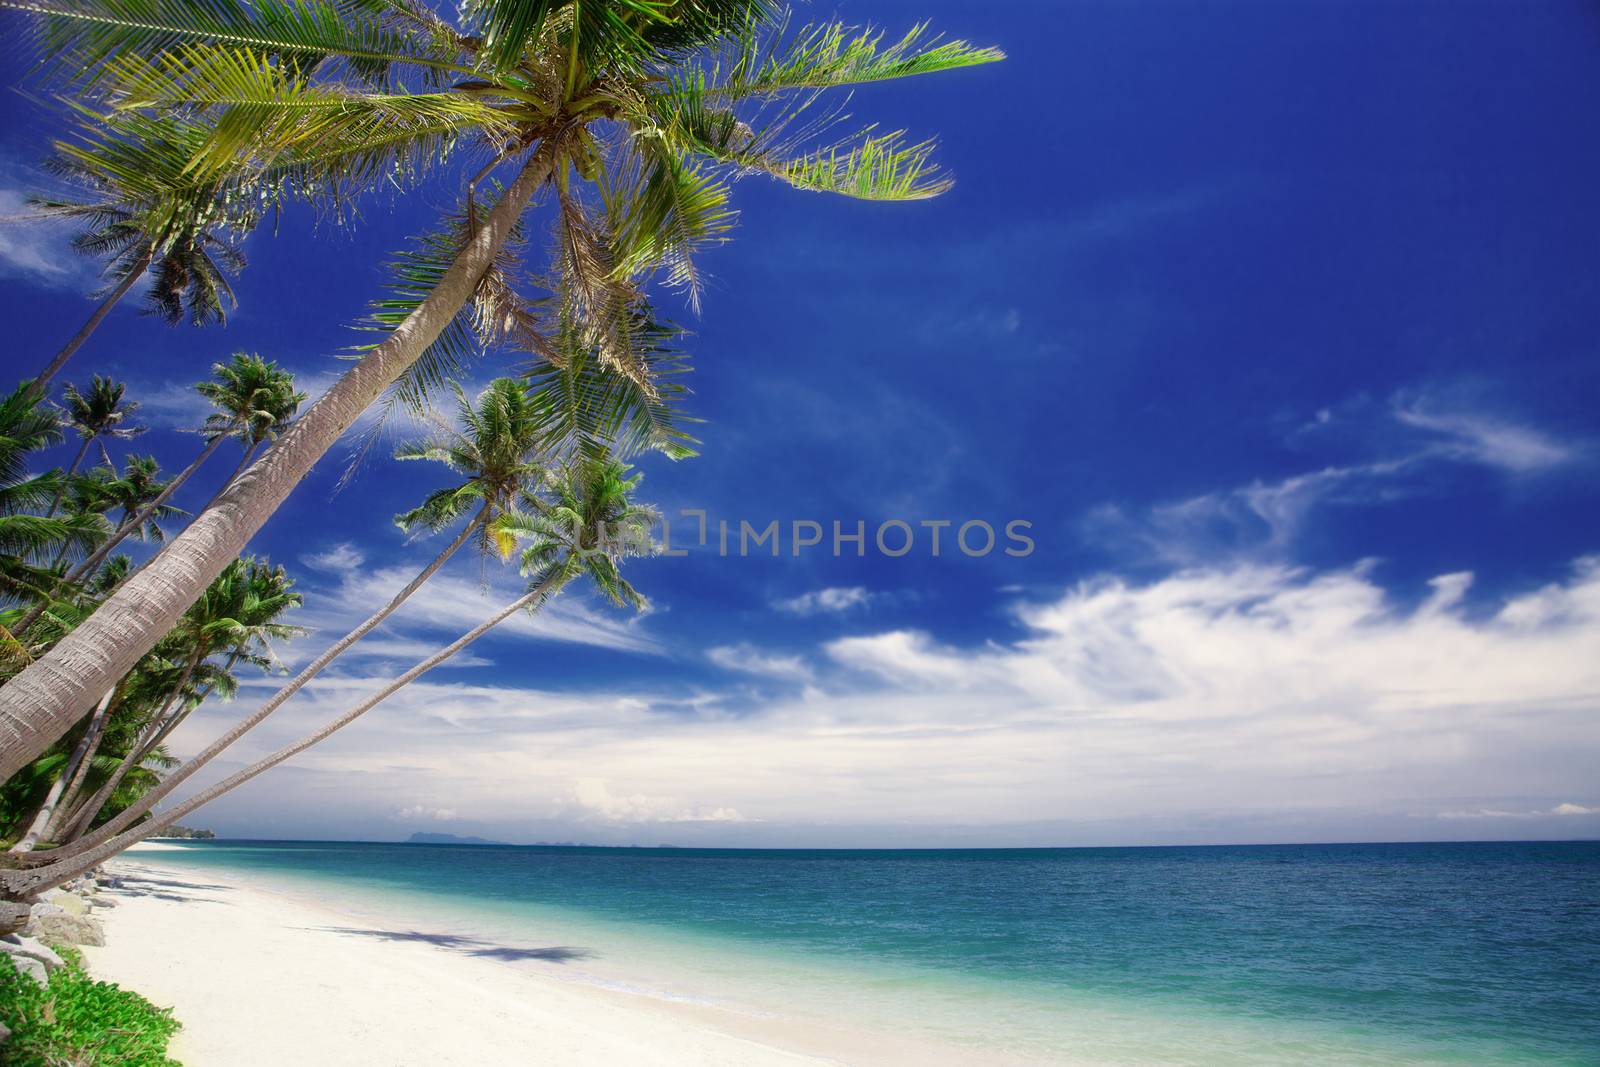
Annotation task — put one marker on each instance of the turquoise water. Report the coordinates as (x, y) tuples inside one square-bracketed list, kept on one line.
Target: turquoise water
[(1435, 953)]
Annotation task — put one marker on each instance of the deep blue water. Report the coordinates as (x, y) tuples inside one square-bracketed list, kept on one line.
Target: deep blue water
[(1440, 953)]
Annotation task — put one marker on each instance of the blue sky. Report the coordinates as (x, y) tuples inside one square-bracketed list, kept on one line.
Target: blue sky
[(1274, 321)]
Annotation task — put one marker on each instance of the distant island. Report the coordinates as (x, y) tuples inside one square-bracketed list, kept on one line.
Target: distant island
[(450, 839), (185, 833)]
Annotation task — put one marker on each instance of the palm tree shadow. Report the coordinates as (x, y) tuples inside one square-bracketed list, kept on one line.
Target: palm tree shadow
[(163, 889), (471, 946)]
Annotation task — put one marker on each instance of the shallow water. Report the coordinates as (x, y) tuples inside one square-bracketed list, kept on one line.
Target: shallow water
[(1435, 953)]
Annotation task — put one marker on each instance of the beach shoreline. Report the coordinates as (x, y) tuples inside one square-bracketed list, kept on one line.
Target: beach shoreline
[(259, 977)]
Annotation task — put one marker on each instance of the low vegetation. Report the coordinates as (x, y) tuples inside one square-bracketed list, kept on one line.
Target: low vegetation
[(76, 1020)]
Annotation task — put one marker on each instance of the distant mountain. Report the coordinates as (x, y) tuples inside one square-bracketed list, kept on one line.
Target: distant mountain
[(450, 839)]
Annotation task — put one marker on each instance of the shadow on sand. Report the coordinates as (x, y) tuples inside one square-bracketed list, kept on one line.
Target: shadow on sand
[(138, 885), (471, 946)]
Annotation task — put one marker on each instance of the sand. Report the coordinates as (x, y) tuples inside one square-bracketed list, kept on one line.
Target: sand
[(258, 978)]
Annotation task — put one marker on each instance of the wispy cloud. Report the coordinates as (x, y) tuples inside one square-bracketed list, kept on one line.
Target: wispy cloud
[(1474, 437), (451, 603), (424, 812), (835, 599), (1263, 518), (341, 558), (38, 251), (1561, 810), (748, 659)]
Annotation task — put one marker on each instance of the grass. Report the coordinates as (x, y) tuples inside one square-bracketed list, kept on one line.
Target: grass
[(76, 1021)]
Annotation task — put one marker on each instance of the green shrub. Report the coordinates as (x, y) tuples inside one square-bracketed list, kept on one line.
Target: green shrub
[(78, 1022)]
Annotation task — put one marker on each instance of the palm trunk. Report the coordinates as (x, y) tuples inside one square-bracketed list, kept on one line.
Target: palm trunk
[(122, 532), (97, 732), (66, 480), (249, 454), (21, 884), (58, 787), (289, 689), (93, 322), (223, 488), (43, 701), (86, 568), (156, 731)]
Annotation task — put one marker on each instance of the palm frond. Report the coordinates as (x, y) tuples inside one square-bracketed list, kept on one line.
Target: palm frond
[(586, 409), (762, 62), (80, 39)]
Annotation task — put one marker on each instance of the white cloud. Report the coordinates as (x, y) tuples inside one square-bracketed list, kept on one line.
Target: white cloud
[(452, 602), (38, 251), (836, 599), (341, 558), (1471, 437), (422, 811), (592, 798), (1216, 703), (749, 660), (1263, 519), (1573, 809)]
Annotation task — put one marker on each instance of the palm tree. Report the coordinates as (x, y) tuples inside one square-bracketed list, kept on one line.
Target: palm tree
[(131, 494), (495, 448), (650, 104), (100, 412), (238, 615), (137, 492), (254, 401), (76, 764), (142, 215), (589, 527), (26, 537)]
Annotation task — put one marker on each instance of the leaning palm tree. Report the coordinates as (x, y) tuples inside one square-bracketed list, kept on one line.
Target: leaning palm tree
[(240, 617), (632, 114), (138, 492), (254, 402), (131, 495), (135, 210), (495, 450), (100, 412), (586, 530)]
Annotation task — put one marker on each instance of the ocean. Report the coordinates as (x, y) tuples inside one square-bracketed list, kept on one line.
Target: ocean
[(1326, 954)]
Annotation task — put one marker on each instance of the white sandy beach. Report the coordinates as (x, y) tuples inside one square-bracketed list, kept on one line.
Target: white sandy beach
[(260, 979)]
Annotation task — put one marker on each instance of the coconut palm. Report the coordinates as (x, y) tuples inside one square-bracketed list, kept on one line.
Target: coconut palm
[(131, 495), (586, 530), (495, 447), (137, 492), (632, 113), (29, 540), (238, 612), (239, 616), (137, 210), (76, 763), (254, 401), (100, 412)]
